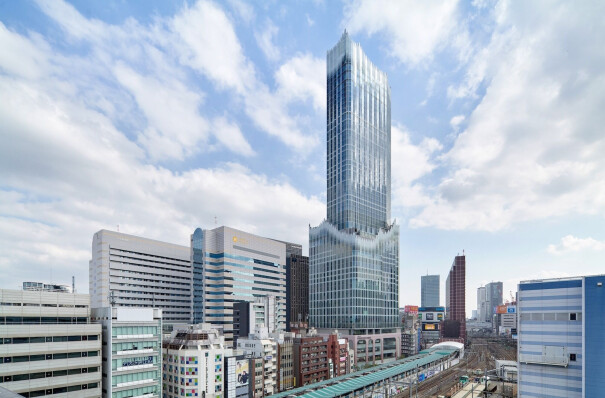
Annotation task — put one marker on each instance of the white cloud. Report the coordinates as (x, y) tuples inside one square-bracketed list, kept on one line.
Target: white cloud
[(80, 135), (303, 77), (265, 40), (175, 127), (310, 20), (244, 10), (200, 37), (415, 30), (532, 148), (456, 121), (409, 163), (68, 172), (230, 135), (571, 243), (210, 45), (20, 56)]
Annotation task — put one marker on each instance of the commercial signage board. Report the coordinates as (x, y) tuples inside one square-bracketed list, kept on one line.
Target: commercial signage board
[(501, 309), (242, 373), (411, 309), (137, 361)]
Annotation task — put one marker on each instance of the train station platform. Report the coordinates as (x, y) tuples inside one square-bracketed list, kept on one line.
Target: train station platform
[(418, 367)]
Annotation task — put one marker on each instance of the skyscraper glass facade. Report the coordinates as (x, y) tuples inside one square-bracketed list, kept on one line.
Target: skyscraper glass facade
[(429, 291), (354, 253)]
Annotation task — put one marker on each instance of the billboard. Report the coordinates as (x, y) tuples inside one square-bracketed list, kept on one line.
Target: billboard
[(430, 326), (430, 316), (241, 373), (410, 309), (506, 309)]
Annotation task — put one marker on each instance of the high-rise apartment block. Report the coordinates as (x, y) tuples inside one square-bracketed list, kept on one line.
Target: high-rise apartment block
[(561, 341), (132, 343), (231, 266), (429, 291), (354, 253), (48, 344), (454, 328), (130, 271)]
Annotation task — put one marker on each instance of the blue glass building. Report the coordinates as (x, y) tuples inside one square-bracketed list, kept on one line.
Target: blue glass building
[(561, 329), (354, 253)]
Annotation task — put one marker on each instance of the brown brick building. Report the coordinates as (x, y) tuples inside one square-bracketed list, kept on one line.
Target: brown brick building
[(310, 360), (338, 352)]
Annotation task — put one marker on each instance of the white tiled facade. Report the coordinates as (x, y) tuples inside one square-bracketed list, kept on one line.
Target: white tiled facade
[(193, 363), (48, 345)]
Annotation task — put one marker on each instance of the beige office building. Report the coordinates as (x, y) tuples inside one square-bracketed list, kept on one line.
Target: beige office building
[(48, 347)]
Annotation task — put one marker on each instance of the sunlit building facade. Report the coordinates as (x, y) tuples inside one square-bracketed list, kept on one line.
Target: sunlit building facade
[(354, 253)]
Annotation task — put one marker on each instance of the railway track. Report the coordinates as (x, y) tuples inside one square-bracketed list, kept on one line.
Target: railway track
[(481, 354)]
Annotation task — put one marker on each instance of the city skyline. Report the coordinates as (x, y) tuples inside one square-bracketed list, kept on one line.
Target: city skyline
[(164, 117)]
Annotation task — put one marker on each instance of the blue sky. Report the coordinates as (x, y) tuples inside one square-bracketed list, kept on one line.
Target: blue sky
[(160, 116)]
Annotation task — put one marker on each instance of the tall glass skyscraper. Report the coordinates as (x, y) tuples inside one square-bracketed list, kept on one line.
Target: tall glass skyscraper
[(429, 291), (354, 253)]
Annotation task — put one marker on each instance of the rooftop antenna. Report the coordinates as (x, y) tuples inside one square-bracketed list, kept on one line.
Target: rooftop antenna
[(112, 300), (463, 252), (215, 223), (73, 284)]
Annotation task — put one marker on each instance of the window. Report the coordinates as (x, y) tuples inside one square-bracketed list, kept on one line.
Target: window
[(572, 357), (572, 316)]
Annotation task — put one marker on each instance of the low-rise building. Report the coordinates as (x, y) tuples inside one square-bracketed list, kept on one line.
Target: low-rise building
[(132, 340), (193, 362), (237, 376), (338, 355), (48, 344), (409, 342), (260, 345)]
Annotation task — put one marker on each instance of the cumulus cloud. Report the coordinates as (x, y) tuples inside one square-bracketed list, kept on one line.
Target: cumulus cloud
[(409, 163), (85, 140), (571, 243), (303, 77), (415, 30), (265, 40), (532, 147)]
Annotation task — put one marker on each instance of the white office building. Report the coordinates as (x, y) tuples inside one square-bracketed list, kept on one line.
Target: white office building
[(130, 271), (48, 346), (194, 360), (231, 266), (132, 340)]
